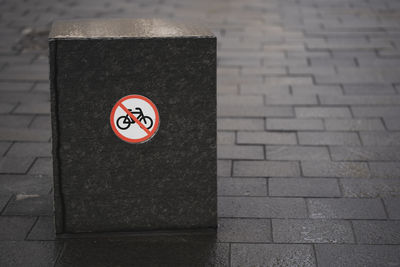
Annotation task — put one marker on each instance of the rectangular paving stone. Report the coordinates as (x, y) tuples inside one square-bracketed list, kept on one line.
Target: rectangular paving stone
[(384, 169), (369, 90), (359, 100), (4, 146), (392, 206), (264, 89), (253, 111), (266, 168), (322, 112), (33, 108), (29, 253), (15, 227), (377, 232), (226, 138), (294, 124), (303, 187), (43, 229), (354, 125), (328, 138), (376, 112), (242, 186), (240, 100), (272, 255), (335, 169), (287, 80), (392, 123), (299, 89), (26, 149), (6, 107), (42, 166), (16, 165), (224, 167), (15, 86), (261, 207), (268, 138), (240, 124), (357, 255), (244, 230), (30, 205), (370, 188), (240, 152), (380, 138), (26, 184), (290, 100), (297, 153), (41, 122), (345, 208), (312, 231), (15, 121), (33, 135), (359, 153)]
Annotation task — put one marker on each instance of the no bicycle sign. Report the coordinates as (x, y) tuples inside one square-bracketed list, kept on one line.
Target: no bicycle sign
[(135, 119)]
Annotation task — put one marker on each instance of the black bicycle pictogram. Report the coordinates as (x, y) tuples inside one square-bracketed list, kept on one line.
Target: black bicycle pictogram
[(127, 120)]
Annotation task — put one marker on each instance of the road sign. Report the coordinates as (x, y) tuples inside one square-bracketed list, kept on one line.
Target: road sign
[(135, 119)]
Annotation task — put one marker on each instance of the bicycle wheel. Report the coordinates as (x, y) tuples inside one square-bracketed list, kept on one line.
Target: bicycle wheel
[(147, 122), (123, 125)]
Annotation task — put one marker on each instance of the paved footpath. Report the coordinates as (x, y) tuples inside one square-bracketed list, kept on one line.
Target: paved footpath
[(308, 136)]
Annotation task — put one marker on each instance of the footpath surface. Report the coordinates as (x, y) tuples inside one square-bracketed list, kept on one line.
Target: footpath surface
[(308, 136)]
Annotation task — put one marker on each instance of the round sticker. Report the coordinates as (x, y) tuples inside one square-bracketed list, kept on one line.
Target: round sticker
[(135, 119)]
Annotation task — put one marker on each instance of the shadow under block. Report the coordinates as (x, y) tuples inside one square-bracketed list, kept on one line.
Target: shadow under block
[(103, 184)]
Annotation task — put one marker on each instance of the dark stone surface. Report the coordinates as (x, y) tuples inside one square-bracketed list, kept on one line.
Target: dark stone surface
[(105, 184)]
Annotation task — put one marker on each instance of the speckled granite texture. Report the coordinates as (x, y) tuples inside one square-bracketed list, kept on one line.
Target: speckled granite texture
[(103, 184)]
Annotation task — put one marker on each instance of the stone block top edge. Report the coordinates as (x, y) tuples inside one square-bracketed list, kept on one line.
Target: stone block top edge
[(125, 28)]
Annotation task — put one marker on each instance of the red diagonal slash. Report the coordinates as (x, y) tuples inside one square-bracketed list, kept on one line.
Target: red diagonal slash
[(134, 118)]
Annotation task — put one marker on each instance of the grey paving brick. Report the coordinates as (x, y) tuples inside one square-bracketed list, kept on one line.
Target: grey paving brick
[(42, 166), (319, 89), (345, 208), (43, 229), (272, 255), (241, 100), (376, 112), (15, 86), (226, 138), (224, 168), (335, 169), (8, 134), (268, 138), (41, 87), (385, 169), (6, 107), (24, 184), (17, 165), (392, 123), (254, 111), (244, 230), (360, 100), (291, 100), (303, 187), (264, 89), (33, 108), (4, 199), (266, 168), (29, 253), (242, 186), (41, 122), (261, 207), (240, 152), (287, 80), (354, 125), (312, 231), (4, 146), (328, 138), (297, 153), (30, 205), (357, 255), (294, 124), (15, 227), (370, 187), (15, 121), (240, 124), (370, 153), (322, 112), (24, 149), (369, 90), (380, 138), (392, 206), (377, 232)]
